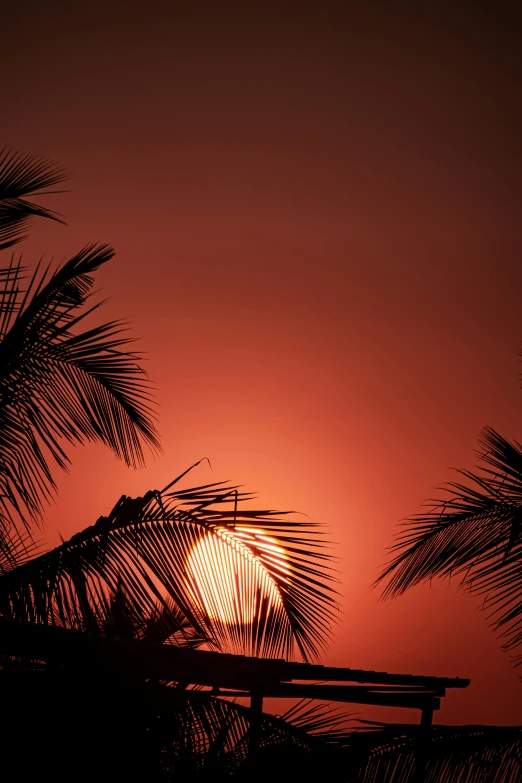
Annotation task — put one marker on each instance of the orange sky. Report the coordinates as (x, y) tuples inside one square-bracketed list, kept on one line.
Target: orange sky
[(315, 217)]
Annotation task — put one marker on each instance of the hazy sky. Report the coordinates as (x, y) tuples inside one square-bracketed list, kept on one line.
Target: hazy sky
[(316, 216)]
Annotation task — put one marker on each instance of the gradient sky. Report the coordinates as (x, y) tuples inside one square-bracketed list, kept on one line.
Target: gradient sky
[(315, 217)]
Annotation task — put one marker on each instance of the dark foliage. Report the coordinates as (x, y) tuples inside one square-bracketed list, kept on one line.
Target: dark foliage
[(476, 535), (141, 549), (126, 580), (60, 385), (22, 177)]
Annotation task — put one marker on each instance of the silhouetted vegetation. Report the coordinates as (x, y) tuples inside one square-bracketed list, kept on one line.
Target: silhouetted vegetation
[(474, 534), (72, 617)]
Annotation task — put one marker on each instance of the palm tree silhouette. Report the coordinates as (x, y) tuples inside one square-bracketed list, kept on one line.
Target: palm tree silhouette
[(59, 385), (122, 587), (474, 534), (139, 552), (23, 177), (125, 576)]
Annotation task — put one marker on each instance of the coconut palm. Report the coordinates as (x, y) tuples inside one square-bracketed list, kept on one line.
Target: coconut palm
[(23, 177), (140, 552), (475, 534), (61, 381), (60, 384), (127, 576), (380, 753), (260, 584)]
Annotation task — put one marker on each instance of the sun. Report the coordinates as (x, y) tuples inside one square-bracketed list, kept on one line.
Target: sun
[(225, 576)]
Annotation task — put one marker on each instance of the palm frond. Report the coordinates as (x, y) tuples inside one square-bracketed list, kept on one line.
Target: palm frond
[(327, 722), (110, 730), (117, 618), (22, 176), (114, 730), (201, 734), (168, 625), (16, 547), (475, 534), (61, 385), (407, 754), (145, 547)]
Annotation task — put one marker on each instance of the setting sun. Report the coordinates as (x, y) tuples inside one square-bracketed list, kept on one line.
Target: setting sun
[(227, 569)]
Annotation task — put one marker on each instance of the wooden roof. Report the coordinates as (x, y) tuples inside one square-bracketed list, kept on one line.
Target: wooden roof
[(228, 675)]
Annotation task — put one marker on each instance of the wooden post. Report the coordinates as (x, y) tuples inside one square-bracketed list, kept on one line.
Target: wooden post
[(421, 753), (427, 716), (256, 710)]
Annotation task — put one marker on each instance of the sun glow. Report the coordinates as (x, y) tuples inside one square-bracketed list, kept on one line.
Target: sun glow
[(229, 573)]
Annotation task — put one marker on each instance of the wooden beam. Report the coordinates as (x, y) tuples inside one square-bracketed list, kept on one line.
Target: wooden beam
[(76, 650), (347, 694), (305, 671), (256, 710)]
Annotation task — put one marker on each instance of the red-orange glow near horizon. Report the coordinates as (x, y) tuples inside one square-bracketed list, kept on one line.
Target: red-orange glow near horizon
[(225, 574)]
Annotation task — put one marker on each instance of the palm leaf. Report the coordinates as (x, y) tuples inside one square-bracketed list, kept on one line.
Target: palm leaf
[(22, 176), (168, 625), (16, 547), (408, 754), (109, 729), (475, 534), (117, 618), (328, 722), (188, 732), (144, 547), (61, 385), (133, 730)]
